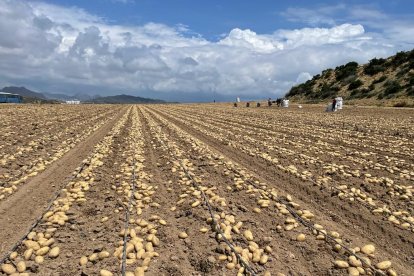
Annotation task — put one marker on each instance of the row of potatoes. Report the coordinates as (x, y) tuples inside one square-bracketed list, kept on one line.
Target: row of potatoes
[(291, 224)]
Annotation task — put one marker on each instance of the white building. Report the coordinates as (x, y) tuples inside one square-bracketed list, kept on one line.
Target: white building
[(73, 102)]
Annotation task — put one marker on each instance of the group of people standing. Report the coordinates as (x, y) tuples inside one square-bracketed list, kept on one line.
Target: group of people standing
[(278, 102)]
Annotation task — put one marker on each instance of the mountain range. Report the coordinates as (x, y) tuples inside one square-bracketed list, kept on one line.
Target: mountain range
[(31, 96), (382, 81)]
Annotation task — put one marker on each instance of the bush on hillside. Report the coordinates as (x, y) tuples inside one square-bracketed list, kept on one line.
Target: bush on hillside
[(375, 66), (359, 94), (381, 79), (392, 87), (316, 77), (302, 88), (327, 92), (355, 84), (327, 73), (402, 72), (346, 70), (399, 59)]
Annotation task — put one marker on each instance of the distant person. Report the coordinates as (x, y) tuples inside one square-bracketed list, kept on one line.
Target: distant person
[(269, 102), (279, 102), (334, 104)]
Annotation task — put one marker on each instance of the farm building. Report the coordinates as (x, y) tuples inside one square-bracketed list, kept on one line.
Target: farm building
[(10, 98)]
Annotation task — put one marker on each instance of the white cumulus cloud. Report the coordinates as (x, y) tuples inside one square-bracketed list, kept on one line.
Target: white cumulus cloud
[(57, 49)]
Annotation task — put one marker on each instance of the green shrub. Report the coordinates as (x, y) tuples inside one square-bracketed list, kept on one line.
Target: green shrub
[(392, 87), (327, 91), (316, 77), (399, 59), (327, 73), (300, 89), (359, 94), (381, 79), (375, 66), (355, 84), (346, 70), (374, 69), (402, 72)]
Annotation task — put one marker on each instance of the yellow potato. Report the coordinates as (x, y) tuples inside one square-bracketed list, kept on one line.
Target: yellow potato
[(43, 251), (368, 249), (21, 266), (39, 259), (105, 272), (301, 237), (248, 235), (8, 269), (103, 255), (83, 260), (341, 264), (383, 265), (54, 252), (27, 254)]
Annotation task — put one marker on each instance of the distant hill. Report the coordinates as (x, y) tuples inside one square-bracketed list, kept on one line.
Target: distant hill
[(124, 99), (31, 96), (388, 82), (60, 97), (23, 91), (28, 95)]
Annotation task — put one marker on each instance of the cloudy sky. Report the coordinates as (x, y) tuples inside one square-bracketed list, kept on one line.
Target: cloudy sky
[(186, 50)]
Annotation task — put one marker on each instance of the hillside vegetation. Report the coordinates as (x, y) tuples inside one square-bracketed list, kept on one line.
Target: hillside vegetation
[(387, 82), (124, 99)]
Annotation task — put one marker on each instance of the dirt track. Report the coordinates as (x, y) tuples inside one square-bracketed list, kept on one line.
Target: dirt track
[(243, 160)]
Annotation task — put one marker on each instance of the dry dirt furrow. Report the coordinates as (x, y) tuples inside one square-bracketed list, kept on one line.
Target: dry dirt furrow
[(193, 255), (283, 122), (21, 209), (289, 256), (94, 224), (393, 242), (379, 193)]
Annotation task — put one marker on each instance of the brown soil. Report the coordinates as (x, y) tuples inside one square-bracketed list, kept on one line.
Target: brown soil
[(205, 136), (19, 211)]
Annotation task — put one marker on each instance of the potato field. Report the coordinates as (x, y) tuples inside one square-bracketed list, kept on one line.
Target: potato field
[(205, 189)]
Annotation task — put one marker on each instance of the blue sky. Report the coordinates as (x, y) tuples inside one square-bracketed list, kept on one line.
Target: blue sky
[(214, 18), (190, 50)]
